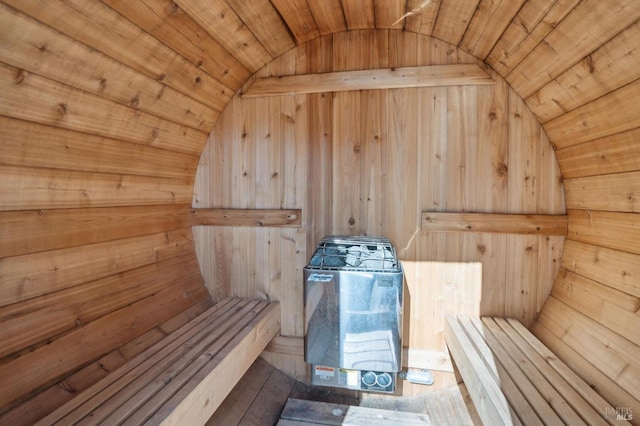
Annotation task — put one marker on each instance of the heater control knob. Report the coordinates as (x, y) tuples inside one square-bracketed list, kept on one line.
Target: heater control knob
[(369, 378), (384, 380)]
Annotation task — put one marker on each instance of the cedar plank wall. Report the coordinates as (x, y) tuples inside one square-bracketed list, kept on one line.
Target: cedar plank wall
[(369, 162), (105, 108)]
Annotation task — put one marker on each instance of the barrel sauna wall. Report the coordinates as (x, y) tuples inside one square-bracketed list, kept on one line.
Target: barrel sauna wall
[(107, 106), (369, 162)]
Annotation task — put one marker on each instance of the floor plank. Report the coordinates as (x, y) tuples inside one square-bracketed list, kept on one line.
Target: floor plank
[(261, 395)]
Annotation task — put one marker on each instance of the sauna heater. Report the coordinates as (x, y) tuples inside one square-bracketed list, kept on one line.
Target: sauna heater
[(353, 290)]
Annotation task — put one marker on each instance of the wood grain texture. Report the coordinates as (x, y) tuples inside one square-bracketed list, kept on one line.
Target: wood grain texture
[(492, 222), (394, 78), (251, 217)]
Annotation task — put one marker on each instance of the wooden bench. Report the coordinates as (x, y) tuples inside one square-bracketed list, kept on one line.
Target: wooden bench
[(514, 379), (182, 379)]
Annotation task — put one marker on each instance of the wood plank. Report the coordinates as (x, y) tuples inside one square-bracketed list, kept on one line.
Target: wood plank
[(359, 14), (96, 338), (29, 144), (199, 398), (389, 14), (526, 343), (616, 269), (103, 29), (30, 97), (95, 73), (421, 16), (530, 26), (618, 192), (155, 353), (611, 308), (267, 405), (606, 69), (140, 399), (216, 19), (615, 356), (24, 232), (243, 394), (596, 379), (618, 231), (612, 154), (588, 26), (487, 26), (56, 395), (495, 222), (328, 16), (41, 273), (383, 78), (489, 400), (341, 414), (64, 189), (170, 24), (453, 19), (613, 113), (266, 24), (247, 217), (299, 19), (552, 405), (38, 319)]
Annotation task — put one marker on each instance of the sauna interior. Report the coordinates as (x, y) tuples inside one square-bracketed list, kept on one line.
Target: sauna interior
[(144, 176)]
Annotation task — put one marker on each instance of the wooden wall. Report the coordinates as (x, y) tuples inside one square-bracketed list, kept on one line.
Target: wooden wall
[(106, 106), (369, 162)]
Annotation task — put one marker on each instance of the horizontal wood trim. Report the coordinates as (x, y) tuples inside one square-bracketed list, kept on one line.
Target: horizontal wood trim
[(247, 217), (383, 78), (495, 223), (33, 231), (96, 338)]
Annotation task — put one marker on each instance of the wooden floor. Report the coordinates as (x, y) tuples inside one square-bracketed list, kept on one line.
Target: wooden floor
[(261, 395)]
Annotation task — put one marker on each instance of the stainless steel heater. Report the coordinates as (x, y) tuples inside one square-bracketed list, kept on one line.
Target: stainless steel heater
[(353, 288)]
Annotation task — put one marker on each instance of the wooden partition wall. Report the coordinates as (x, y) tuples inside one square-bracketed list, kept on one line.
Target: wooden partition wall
[(370, 162)]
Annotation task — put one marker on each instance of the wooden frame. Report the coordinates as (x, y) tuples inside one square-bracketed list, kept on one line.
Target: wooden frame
[(535, 224), (382, 78), (247, 217)]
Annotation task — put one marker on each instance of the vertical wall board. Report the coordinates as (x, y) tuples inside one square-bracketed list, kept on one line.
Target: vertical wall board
[(346, 150), (380, 158)]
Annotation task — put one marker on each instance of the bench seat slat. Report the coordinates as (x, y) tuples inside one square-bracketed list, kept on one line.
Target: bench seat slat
[(503, 352), (547, 402), (167, 373), (573, 398)]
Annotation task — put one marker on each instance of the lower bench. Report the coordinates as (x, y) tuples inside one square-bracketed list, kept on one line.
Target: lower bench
[(182, 379), (514, 379)]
